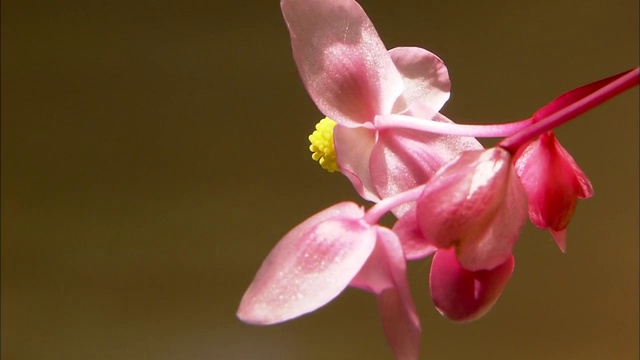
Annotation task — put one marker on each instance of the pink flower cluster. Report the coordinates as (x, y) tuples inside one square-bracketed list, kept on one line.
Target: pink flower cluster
[(453, 199)]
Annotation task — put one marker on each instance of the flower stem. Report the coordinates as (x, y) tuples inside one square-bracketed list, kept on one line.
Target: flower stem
[(542, 125), (396, 121), (385, 205)]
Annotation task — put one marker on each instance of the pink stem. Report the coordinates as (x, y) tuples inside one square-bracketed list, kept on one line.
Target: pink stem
[(395, 121), (542, 125), (385, 205)]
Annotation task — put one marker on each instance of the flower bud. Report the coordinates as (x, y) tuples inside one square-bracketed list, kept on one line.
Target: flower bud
[(476, 204), (463, 295), (553, 183)]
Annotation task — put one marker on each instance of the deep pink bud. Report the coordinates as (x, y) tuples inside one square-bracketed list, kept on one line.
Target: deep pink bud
[(476, 204), (463, 295), (553, 183)]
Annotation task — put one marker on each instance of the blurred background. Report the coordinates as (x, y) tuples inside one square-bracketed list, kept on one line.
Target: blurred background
[(153, 153)]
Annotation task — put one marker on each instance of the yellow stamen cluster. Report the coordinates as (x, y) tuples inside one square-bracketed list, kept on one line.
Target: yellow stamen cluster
[(322, 145)]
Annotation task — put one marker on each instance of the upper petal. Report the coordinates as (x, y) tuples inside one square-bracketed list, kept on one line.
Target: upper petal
[(310, 266), (342, 61), (425, 77)]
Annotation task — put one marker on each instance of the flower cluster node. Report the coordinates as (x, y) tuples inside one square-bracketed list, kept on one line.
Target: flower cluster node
[(322, 145)]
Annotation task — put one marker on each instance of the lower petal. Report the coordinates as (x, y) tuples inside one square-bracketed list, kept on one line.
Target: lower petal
[(401, 327), (310, 266)]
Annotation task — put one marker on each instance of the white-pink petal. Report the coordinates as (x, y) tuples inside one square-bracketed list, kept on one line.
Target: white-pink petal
[(342, 62), (425, 77), (310, 266)]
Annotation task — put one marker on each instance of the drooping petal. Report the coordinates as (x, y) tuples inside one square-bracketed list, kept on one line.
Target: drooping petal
[(476, 204), (402, 159), (386, 266), (401, 327), (426, 79), (414, 245), (384, 274), (342, 61), (353, 150), (463, 295), (310, 266)]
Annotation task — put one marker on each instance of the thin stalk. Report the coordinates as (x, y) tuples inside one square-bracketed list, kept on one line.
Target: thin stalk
[(542, 125), (385, 205), (395, 121)]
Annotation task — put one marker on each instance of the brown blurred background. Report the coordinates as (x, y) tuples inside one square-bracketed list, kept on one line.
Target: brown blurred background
[(153, 153)]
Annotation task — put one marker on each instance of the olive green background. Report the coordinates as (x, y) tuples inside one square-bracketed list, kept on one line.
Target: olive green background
[(153, 153)]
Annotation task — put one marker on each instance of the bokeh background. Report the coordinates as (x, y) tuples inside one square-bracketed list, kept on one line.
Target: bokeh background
[(154, 152)]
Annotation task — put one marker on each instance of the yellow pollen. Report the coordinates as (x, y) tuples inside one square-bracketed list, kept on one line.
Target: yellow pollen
[(322, 145)]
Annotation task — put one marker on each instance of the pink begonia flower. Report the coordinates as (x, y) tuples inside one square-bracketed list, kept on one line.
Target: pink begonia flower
[(319, 258), (476, 204), (353, 79), (553, 183), (463, 295)]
